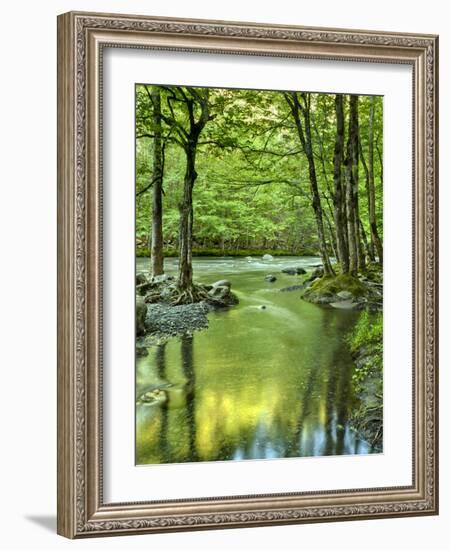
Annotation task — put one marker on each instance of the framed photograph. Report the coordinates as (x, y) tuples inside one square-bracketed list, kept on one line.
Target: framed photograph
[(247, 276)]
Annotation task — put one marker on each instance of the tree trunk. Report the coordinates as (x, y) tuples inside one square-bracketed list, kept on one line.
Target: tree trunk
[(306, 141), (367, 244), (157, 256), (338, 196), (350, 191), (370, 246), (355, 181), (186, 223), (371, 187)]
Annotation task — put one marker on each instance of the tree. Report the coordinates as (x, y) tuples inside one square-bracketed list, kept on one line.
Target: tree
[(371, 186), (157, 243), (340, 220), (351, 197), (300, 105), (187, 127)]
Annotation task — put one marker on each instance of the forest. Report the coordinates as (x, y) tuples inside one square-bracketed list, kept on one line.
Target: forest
[(285, 173), (239, 194)]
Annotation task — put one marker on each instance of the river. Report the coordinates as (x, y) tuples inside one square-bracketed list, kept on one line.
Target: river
[(259, 383)]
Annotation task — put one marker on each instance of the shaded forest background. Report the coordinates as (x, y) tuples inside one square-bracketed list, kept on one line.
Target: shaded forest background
[(253, 161)]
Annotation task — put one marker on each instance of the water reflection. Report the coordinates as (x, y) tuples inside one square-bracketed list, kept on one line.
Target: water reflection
[(269, 383)]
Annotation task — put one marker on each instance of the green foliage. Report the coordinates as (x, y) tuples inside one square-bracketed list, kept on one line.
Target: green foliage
[(368, 331), (367, 342), (252, 191)]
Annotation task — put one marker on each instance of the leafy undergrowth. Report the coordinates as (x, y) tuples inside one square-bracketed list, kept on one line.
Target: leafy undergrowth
[(366, 345)]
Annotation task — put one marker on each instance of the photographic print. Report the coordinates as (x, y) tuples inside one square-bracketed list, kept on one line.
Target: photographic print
[(247, 214), (259, 278)]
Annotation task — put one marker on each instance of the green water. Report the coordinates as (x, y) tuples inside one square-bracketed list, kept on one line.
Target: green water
[(258, 383)]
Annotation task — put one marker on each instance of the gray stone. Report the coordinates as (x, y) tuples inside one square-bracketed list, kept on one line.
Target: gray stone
[(206, 287), (140, 278), (219, 292), (270, 278), (222, 282), (293, 270), (345, 295), (267, 257), (345, 304), (141, 313)]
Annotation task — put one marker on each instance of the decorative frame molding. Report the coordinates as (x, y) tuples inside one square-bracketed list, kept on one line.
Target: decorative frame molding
[(81, 37)]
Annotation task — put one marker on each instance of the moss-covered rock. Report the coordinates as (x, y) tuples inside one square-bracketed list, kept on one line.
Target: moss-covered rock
[(327, 290), (344, 291)]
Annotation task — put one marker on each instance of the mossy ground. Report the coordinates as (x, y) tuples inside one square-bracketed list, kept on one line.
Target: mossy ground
[(330, 286)]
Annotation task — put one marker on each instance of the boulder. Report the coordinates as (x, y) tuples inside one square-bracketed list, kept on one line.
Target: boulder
[(293, 270), (248, 258), (222, 282), (267, 257), (206, 286), (221, 296), (270, 278), (141, 313), (345, 295), (316, 274), (144, 288), (219, 291), (140, 278), (345, 304)]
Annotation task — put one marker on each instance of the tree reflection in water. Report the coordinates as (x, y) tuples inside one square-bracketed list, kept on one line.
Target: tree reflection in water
[(255, 385)]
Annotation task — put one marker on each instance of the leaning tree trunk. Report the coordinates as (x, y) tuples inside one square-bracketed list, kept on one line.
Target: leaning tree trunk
[(185, 282), (338, 195), (306, 141), (157, 257), (371, 187)]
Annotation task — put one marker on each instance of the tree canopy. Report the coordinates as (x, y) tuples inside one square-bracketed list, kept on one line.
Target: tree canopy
[(249, 171)]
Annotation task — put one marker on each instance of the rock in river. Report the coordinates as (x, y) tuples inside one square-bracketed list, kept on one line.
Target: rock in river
[(345, 304), (267, 257), (293, 270), (270, 278), (222, 282), (344, 295), (292, 288)]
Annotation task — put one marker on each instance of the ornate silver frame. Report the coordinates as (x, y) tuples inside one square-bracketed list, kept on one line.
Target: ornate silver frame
[(81, 37)]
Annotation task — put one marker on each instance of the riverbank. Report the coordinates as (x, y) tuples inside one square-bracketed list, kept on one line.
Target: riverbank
[(366, 345), (159, 316)]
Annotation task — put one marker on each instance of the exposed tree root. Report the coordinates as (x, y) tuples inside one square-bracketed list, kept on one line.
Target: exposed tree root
[(190, 295)]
